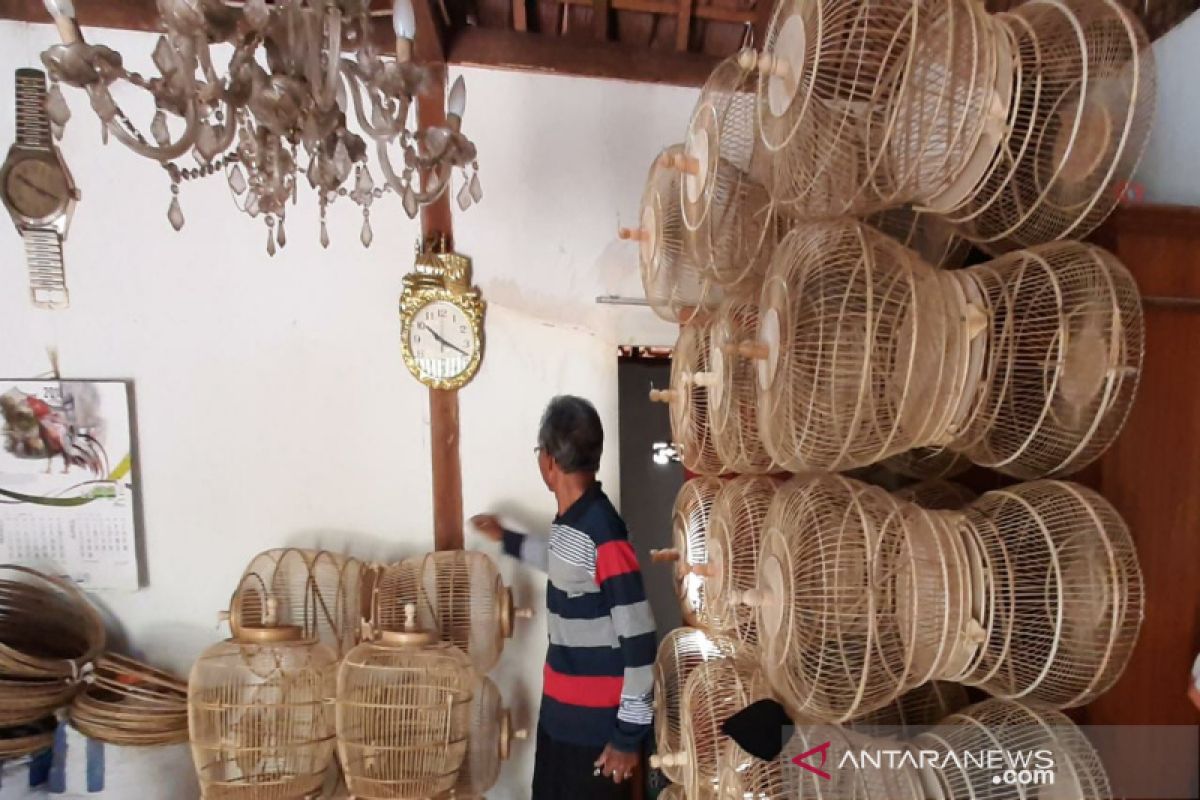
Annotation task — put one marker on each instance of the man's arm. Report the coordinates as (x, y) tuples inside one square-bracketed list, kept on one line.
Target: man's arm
[(620, 581), (533, 550)]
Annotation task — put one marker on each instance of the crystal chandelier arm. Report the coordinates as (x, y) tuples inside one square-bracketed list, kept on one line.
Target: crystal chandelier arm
[(424, 196), (136, 142), (328, 93), (355, 78)]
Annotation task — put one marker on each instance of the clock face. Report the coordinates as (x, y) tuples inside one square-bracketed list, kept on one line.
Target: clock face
[(442, 340), (36, 189)]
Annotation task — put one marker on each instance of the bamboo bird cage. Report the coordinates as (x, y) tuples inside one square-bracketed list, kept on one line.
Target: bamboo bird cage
[(730, 220), (734, 395), (490, 741), (260, 713), (681, 652), (735, 534), (318, 591), (688, 398), (472, 608), (714, 691), (403, 714), (1032, 592), (688, 554), (674, 284), (1027, 364)]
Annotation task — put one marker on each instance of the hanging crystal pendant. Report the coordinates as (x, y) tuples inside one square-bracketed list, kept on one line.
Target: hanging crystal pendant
[(281, 237), (175, 214), (158, 128), (410, 202), (256, 14), (57, 108), (324, 235), (237, 181), (208, 142), (476, 188), (365, 184), (464, 196), (270, 240), (368, 235)]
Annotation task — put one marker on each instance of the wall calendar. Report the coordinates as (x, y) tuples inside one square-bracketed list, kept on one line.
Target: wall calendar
[(68, 498)]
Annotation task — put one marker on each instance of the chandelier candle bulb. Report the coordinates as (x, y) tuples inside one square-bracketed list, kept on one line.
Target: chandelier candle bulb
[(404, 23), (456, 104)]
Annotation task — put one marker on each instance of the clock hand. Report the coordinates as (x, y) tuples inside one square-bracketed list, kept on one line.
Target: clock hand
[(36, 188), (442, 341)]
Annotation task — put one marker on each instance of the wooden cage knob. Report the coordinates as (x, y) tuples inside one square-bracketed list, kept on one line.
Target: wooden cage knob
[(976, 320), (703, 570), (662, 395), (773, 66), (754, 598), (633, 234), (521, 734), (223, 616), (686, 164), (705, 380), (661, 760), (523, 613), (747, 58), (754, 349), (667, 556)]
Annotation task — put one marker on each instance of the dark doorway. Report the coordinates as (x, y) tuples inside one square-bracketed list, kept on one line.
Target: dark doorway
[(648, 485)]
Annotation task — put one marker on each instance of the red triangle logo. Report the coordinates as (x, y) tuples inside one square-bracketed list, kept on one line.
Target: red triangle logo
[(802, 760)]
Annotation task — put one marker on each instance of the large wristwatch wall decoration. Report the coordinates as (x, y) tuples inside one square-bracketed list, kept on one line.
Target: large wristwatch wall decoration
[(37, 189), (441, 320)]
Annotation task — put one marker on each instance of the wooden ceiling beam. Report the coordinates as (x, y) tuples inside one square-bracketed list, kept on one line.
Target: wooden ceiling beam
[(507, 49), (129, 15)]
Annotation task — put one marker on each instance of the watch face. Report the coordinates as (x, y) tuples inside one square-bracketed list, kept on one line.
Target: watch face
[(36, 188), (442, 340)]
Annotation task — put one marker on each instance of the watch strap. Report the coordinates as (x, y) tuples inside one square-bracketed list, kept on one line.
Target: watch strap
[(47, 274), (33, 123)]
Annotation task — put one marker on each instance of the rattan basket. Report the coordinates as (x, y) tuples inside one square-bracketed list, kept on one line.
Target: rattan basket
[(128, 703), (48, 629)]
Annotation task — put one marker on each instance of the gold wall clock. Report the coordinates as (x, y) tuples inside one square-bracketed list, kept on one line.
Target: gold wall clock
[(441, 321)]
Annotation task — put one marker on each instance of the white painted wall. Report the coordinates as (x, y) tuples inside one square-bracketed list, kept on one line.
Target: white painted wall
[(273, 407), (1170, 169)]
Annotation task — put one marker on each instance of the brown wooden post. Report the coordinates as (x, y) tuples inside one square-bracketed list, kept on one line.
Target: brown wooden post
[(436, 222)]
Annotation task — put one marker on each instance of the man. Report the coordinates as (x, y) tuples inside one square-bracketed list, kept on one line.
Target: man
[(598, 678)]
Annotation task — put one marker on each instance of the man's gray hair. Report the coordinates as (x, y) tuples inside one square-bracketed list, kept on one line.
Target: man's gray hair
[(572, 434)]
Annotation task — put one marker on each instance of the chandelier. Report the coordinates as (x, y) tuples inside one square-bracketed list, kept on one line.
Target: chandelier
[(278, 113)]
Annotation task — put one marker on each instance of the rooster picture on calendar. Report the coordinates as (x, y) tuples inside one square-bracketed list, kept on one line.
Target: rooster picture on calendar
[(64, 427)]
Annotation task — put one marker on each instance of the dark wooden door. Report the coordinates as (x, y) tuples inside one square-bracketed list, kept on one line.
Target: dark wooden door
[(1152, 476)]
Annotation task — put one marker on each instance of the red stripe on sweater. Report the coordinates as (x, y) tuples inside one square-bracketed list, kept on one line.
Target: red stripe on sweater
[(583, 690), (613, 559)]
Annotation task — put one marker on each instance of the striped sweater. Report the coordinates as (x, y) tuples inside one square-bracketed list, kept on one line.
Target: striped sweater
[(598, 680)]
